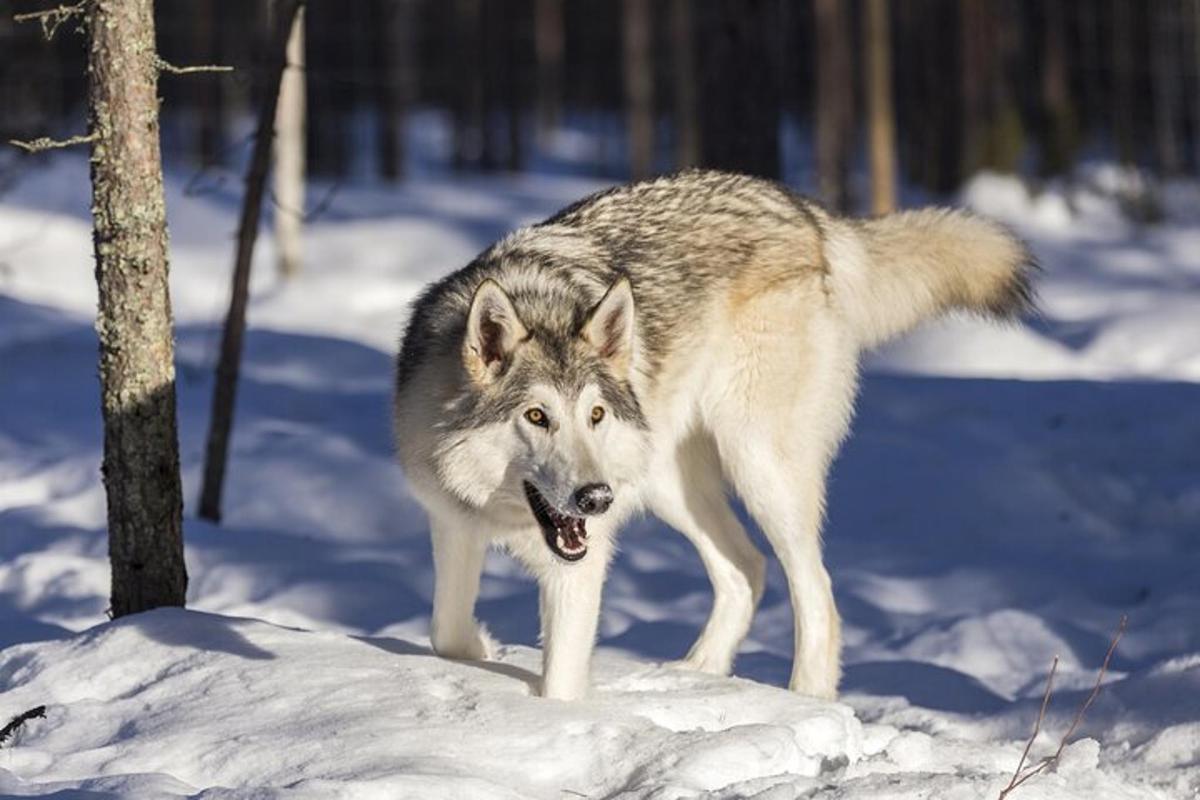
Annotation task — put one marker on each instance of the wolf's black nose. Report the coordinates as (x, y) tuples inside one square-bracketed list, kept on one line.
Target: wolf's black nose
[(594, 498)]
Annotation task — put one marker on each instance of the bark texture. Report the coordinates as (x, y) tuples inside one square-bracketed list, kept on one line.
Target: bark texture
[(137, 368)]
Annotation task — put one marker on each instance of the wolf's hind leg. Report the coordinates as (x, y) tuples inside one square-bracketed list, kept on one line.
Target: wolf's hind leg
[(458, 555), (777, 430), (687, 492), (786, 497)]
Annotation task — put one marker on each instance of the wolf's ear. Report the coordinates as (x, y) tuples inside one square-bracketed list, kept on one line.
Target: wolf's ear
[(493, 332), (609, 327)]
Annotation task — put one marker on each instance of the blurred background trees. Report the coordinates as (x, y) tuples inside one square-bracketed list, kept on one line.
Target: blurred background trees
[(782, 88)]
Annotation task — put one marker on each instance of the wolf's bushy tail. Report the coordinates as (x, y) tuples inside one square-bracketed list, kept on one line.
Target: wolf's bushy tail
[(893, 272)]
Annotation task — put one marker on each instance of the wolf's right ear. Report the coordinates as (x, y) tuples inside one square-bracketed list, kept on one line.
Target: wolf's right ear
[(609, 327), (493, 332)]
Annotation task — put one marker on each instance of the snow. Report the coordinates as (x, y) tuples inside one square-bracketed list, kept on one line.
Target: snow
[(1007, 493)]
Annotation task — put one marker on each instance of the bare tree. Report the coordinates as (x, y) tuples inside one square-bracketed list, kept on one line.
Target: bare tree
[(1059, 120), (738, 78), (137, 367), (687, 123), (229, 363), (395, 42), (1165, 17), (549, 38), (289, 155), (639, 85), (1123, 80), (835, 103), (881, 118)]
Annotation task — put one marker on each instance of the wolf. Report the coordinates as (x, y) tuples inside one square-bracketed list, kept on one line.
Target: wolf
[(652, 347)]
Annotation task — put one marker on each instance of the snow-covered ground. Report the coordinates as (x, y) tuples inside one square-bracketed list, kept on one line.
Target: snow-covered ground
[(1006, 495)]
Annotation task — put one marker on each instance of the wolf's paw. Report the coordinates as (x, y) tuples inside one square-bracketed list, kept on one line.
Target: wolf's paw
[(822, 687), (473, 645), (702, 660)]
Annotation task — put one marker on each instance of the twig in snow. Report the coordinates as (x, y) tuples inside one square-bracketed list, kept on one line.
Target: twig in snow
[(1020, 777), (19, 720)]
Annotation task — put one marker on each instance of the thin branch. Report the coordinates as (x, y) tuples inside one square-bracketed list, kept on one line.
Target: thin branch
[(1037, 728), (46, 143), (19, 720), (52, 18), (1095, 689), (166, 66), (1018, 778)]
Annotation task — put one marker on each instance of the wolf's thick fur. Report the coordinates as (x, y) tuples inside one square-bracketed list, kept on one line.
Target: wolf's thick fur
[(666, 340)]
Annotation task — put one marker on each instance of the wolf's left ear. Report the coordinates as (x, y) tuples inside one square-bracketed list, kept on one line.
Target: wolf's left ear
[(493, 332), (609, 327)]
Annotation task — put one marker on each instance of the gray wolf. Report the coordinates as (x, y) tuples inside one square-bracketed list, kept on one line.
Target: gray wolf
[(651, 347)]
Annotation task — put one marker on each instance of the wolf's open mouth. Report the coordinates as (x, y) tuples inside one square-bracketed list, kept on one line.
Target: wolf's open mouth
[(566, 536)]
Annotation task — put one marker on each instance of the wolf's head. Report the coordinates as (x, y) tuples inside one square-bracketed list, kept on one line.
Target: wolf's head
[(549, 429)]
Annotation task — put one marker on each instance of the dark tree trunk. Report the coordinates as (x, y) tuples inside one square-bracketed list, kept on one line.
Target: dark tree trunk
[(225, 387), (835, 103), (470, 122), (1122, 93), (209, 95), (687, 124), (739, 81), (137, 367), (639, 85), (395, 46), (1166, 20), (881, 118), (1059, 120), (549, 47)]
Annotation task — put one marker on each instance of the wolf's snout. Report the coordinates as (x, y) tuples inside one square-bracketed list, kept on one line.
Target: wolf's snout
[(593, 498)]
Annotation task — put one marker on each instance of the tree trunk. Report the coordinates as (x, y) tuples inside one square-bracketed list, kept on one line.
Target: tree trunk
[(395, 43), (470, 114), (549, 39), (137, 368), (225, 388), (835, 99), (881, 117), (209, 95), (687, 124), (1122, 95), (639, 86), (739, 118), (1060, 127), (1167, 67), (289, 155)]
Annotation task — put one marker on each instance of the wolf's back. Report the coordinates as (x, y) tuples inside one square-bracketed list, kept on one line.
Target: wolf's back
[(893, 272)]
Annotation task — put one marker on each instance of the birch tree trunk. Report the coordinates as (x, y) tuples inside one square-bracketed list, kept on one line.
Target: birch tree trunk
[(289, 155), (137, 369)]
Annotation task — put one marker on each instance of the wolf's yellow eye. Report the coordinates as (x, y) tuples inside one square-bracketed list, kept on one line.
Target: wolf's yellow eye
[(537, 417), (597, 415)]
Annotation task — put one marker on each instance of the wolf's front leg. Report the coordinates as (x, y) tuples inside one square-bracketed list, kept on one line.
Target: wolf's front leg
[(570, 607), (458, 554)]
